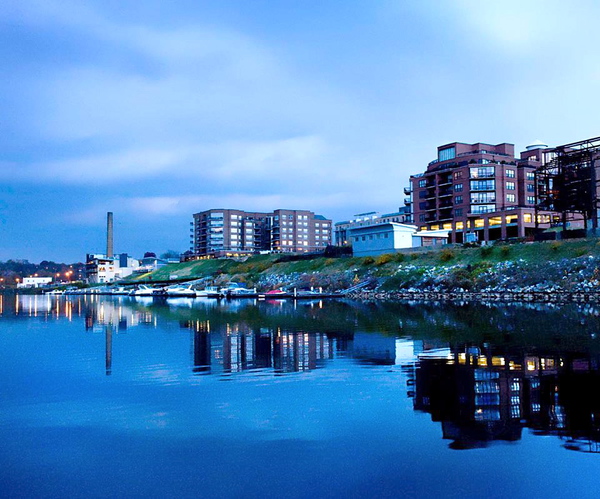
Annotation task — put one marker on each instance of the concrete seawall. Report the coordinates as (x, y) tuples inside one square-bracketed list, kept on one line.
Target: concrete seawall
[(506, 296)]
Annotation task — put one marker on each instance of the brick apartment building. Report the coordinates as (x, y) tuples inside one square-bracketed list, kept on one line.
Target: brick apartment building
[(224, 232), (479, 192)]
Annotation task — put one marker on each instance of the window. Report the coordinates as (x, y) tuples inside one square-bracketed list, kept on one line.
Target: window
[(483, 185), (458, 200), (510, 186), (482, 172), (458, 174), (422, 183), (446, 154), (458, 187), (510, 198), (527, 218), (458, 212), (530, 199), (422, 217), (483, 197), (530, 176), (510, 173), (530, 188), (483, 208)]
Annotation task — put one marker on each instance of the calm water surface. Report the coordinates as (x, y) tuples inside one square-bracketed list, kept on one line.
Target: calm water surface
[(123, 397)]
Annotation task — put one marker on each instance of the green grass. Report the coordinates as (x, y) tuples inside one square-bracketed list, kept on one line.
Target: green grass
[(381, 266)]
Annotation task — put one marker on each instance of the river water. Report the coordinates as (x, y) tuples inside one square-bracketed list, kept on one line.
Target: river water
[(125, 397)]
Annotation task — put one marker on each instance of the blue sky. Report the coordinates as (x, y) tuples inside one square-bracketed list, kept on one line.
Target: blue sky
[(156, 110)]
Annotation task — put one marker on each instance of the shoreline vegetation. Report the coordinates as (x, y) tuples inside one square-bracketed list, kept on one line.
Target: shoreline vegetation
[(557, 271)]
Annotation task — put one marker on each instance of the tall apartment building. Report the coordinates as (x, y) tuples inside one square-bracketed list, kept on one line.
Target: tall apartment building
[(480, 192), (224, 232)]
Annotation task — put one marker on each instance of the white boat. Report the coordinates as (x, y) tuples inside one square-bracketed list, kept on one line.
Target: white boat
[(239, 292), (179, 290), (143, 290), (55, 292), (233, 290), (119, 290), (209, 292)]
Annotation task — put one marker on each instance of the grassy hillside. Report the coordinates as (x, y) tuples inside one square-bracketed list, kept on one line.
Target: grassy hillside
[(269, 270)]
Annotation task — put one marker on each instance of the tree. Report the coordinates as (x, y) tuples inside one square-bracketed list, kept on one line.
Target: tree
[(149, 254), (170, 254)]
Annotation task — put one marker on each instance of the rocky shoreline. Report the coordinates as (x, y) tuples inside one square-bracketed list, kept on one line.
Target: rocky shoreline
[(503, 296)]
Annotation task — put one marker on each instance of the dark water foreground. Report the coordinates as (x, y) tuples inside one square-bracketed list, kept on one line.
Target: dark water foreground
[(118, 397)]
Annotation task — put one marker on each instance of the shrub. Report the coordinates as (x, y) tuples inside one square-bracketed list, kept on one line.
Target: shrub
[(399, 257), (368, 260), (580, 251), (414, 256), (555, 246), (383, 259), (446, 255), (486, 251), (504, 251)]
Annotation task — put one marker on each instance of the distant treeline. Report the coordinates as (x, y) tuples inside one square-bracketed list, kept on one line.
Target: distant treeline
[(11, 270)]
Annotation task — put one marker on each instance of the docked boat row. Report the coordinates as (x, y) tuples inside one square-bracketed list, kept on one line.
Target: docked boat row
[(232, 290)]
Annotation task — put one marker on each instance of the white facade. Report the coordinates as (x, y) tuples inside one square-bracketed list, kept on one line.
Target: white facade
[(34, 282), (102, 269), (374, 240)]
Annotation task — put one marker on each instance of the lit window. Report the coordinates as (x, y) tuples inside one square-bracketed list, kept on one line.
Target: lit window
[(510, 198), (510, 186), (510, 173)]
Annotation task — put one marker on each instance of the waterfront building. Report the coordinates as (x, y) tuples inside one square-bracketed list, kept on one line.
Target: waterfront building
[(390, 237), (34, 282), (479, 192), (342, 229), (235, 233), (100, 268)]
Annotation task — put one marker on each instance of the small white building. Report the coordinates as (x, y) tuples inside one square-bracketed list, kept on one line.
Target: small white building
[(34, 282), (379, 239)]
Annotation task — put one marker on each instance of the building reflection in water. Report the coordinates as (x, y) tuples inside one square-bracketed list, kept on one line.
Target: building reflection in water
[(236, 347), (480, 394), (232, 348)]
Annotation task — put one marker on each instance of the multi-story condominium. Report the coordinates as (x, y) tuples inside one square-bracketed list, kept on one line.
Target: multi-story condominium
[(342, 229), (224, 232), (480, 192)]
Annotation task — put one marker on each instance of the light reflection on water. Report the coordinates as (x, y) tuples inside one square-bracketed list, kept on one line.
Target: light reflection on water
[(396, 388)]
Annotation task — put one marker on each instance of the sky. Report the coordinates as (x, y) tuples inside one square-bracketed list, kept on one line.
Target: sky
[(156, 110)]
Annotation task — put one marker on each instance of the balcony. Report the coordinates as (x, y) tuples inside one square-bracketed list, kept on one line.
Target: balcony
[(477, 176), (407, 191), (445, 192)]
